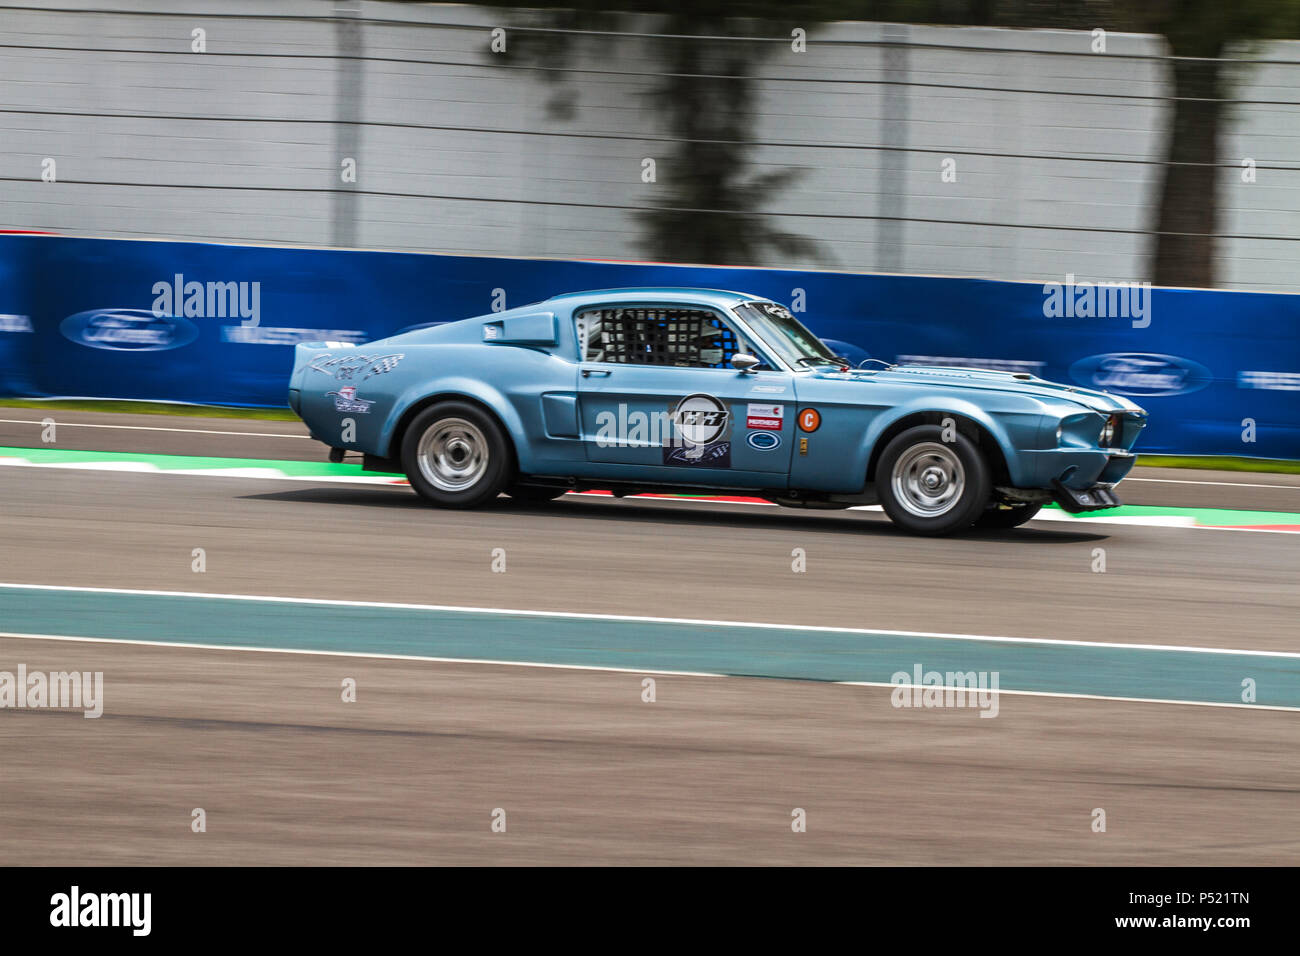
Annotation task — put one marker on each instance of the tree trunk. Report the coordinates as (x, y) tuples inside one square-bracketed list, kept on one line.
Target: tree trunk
[(1187, 220)]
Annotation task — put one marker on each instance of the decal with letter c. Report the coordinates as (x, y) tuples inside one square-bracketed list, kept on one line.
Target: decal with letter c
[(810, 419)]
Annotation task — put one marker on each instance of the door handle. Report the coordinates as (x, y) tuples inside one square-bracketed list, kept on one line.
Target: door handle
[(589, 372)]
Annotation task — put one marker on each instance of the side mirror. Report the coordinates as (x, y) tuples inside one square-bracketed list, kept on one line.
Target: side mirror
[(743, 362)]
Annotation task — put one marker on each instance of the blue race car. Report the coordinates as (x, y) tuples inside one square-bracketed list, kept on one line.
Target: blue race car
[(690, 390)]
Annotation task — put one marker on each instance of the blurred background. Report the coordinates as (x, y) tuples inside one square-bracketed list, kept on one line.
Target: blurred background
[(907, 175), (862, 162), (1011, 139)]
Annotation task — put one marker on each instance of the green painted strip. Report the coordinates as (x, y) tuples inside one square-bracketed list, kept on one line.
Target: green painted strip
[(305, 469), (739, 650), (1204, 516)]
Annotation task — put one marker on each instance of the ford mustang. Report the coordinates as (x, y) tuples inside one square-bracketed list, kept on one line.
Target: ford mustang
[(693, 390)]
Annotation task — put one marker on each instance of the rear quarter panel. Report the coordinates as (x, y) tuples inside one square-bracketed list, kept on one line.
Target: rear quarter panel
[(509, 380)]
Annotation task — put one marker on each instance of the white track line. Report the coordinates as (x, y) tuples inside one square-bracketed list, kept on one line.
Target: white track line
[(1219, 484), (611, 670), (256, 474), (375, 656), (1178, 522), (633, 618), (154, 428), (1052, 693)]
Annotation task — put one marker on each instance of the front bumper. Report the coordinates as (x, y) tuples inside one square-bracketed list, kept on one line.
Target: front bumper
[(1076, 468), (1076, 501)]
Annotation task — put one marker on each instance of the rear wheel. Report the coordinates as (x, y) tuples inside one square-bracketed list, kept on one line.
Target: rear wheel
[(1007, 517), (931, 486), (456, 455)]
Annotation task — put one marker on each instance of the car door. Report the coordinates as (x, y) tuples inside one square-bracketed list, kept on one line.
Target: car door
[(659, 397)]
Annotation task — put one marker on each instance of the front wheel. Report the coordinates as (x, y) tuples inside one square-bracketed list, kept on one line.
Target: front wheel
[(456, 455), (931, 486)]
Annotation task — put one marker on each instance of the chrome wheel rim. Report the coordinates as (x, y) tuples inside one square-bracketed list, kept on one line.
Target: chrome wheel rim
[(928, 479), (453, 454)]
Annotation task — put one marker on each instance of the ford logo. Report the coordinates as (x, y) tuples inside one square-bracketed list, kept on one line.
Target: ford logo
[(763, 441), (128, 330), (1140, 373)]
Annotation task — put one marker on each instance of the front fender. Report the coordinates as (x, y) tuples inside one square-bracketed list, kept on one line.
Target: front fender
[(1004, 427)]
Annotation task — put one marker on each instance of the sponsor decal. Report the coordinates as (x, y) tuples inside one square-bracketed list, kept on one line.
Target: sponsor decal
[(1141, 373), (272, 335), (1273, 381), (763, 441), (128, 330), (774, 310), (765, 417), (810, 419), (345, 367), (702, 423), (701, 419), (15, 323), (717, 455), (345, 400)]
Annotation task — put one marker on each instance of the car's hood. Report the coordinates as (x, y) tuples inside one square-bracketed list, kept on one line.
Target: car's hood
[(936, 376)]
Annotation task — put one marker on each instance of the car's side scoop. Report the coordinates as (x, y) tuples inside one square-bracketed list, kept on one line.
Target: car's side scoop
[(531, 328)]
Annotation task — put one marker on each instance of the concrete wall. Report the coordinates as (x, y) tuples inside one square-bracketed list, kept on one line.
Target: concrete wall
[(456, 150)]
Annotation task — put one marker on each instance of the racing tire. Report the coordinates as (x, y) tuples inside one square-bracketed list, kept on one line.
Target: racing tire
[(929, 486), (1013, 517), (534, 494), (456, 455)]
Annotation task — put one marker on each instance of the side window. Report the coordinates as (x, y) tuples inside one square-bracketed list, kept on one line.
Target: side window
[(684, 338)]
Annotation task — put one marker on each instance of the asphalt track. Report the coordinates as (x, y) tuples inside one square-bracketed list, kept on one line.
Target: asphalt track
[(584, 768)]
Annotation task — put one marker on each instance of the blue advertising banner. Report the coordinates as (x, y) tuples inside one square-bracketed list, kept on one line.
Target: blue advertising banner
[(199, 322)]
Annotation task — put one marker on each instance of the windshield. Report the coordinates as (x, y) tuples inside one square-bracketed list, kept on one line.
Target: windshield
[(785, 335)]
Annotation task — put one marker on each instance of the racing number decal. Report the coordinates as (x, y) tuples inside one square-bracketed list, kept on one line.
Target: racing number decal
[(810, 419)]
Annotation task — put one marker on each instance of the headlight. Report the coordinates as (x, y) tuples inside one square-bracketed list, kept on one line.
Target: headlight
[(1108, 432)]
